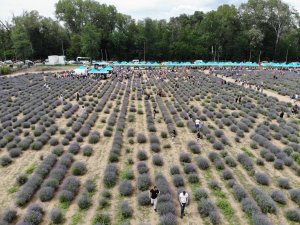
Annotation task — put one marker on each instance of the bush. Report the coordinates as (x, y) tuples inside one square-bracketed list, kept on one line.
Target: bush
[(178, 180), (155, 147), (194, 147), (189, 168), (142, 155), (9, 216), (200, 193), (193, 178), (84, 201), (33, 217), (227, 174), (74, 148), (110, 175), (102, 219), (279, 197), (5, 161), (90, 186), (164, 134), (143, 199), (262, 179), (87, 150), (58, 150), (205, 207), (239, 192), (261, 219), (141, 138), (168, 219), (284, 183), (46, 194), (37, 145), (250, 207), (130, 132), (94, 137), (126, 209), (246, 161), (218, 146), (174, 170), (143, 182), (219, 164), (142, 168), (185, 157), (264, 201), (293, 215), (260, 162), (65, 196), (157, 160), (126, 188), (295, 196), (56, 216), (214, 185), (79, 169), (54, 141), (15, 152), (22, 179), (278, 164), (230, 161)]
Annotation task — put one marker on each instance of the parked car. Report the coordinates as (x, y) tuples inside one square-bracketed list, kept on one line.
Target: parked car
[(8, 62)]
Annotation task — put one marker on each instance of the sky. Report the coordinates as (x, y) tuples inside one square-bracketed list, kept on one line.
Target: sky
[(138, 9)]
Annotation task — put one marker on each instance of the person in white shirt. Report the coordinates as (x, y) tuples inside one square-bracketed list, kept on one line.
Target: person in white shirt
[(183, 199), (198, 124)]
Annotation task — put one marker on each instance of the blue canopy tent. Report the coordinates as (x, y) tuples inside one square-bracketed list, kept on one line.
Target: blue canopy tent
[(109, 68), (94, 71)]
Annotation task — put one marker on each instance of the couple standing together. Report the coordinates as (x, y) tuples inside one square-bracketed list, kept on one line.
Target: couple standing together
[(183, 199)]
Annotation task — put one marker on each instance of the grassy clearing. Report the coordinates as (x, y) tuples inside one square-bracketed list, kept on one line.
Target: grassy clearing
[(248, 152), (30, 169)]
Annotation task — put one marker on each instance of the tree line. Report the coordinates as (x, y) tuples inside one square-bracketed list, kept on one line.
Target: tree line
[(257, 30)]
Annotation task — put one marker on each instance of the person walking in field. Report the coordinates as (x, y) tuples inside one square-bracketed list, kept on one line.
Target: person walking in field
[(173, 134), (183, 199), (154, 113), (154, 192), (198, 124), (61, 99), (77, 96), (199, 136)]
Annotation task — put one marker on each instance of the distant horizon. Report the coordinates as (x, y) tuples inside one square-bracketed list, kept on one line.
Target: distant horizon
[(156, 9)]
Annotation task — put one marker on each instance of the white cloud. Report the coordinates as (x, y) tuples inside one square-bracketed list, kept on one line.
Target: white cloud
[(138, 9)]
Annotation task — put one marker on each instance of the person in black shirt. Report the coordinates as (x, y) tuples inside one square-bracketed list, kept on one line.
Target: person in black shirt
[(281, 114), (153, 196)]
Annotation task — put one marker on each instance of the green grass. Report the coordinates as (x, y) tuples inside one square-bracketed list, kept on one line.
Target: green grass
[(64, 206), (248, 152), (30, 169), (100, 126), (13, 189), (77, 218), (226, 208), (127, 174)]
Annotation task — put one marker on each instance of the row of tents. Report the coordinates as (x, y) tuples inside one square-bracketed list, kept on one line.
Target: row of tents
[(84, 70), (106, 68), (204, 64)]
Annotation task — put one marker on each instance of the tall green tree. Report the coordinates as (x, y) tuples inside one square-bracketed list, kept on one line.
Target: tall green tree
[(21, 42), (90, 39)]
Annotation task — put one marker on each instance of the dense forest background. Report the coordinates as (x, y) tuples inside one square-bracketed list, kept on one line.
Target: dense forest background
[(265, 29)]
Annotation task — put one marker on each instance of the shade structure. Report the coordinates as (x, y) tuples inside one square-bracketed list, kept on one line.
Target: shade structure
[(109, 68), (94, 71), (104, 71), (82, 68)]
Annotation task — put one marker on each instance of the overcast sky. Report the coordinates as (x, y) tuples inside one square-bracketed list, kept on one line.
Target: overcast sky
[(138, 9)]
